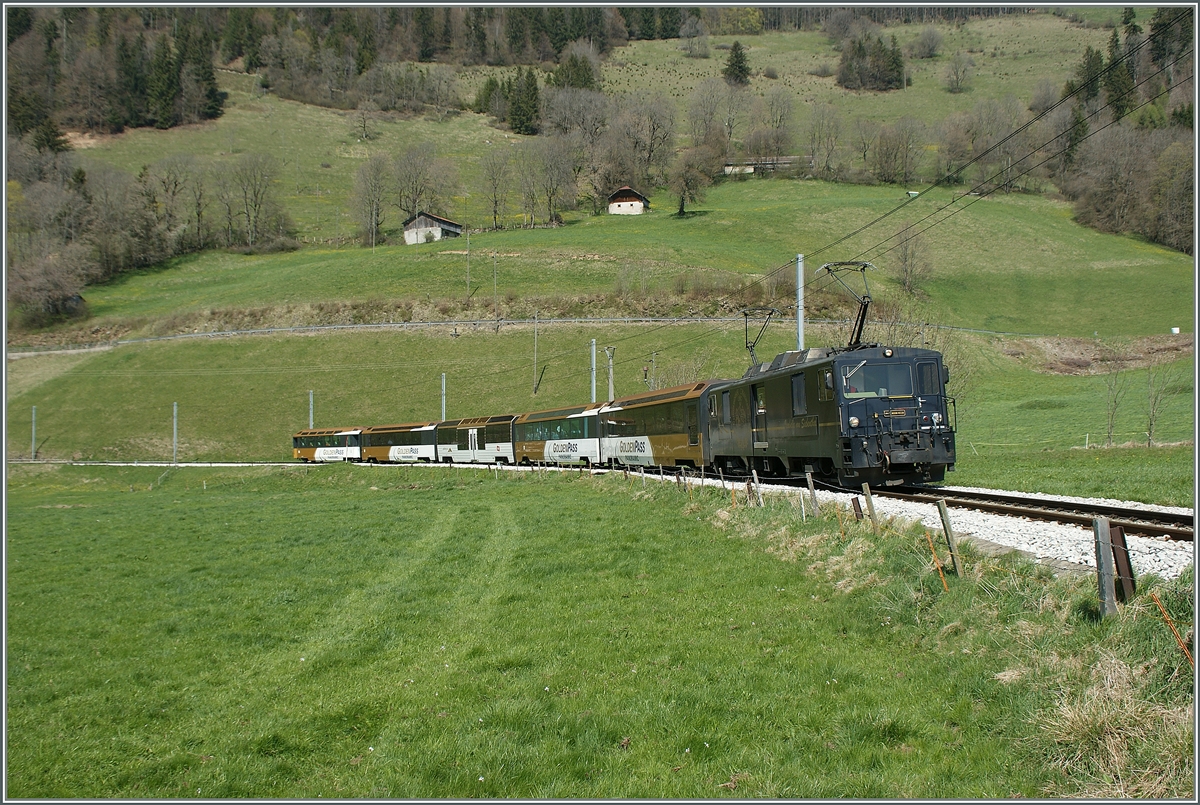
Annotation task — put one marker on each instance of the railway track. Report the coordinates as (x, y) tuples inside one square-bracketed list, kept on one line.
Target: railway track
[(1139, 522)]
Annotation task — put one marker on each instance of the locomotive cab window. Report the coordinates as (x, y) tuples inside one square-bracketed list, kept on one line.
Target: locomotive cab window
[(799, 404), (726, 413), (877, 380), (825, 387), (927, 378)]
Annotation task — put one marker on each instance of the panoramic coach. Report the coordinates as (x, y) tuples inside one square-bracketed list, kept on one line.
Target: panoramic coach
[(400, 443), (328, 444), (656, 428), (559, 436)]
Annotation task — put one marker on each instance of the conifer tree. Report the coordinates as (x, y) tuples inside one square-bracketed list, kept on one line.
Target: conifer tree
[(523, 104), (737, 68), (162, 86), (556, 28), (1118, 81)]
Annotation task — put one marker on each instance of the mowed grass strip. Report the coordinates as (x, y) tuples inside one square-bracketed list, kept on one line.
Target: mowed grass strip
[(349, 631)]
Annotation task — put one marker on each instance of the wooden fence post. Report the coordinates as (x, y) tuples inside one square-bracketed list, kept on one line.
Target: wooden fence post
[(812, 490), (1104, 567), (949, 537), (1126, 585), (871, 508)]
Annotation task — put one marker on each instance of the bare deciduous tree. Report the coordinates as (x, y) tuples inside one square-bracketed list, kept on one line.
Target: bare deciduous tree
[(254, 176), (865, 133), (1116, 383), (824, 130), (421, 179), (958, 72), (496, 172), (364, 119), (912, 259), (555, 176), (526, 166), (372, 185), (927, 43), (734, 101), (704, 110), (1160, 387), (691, 173), (648, 123), (694, 34)]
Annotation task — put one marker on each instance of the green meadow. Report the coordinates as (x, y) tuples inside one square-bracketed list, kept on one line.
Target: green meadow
[(389, 632)]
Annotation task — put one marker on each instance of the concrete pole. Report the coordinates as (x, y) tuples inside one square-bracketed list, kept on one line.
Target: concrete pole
[(443, 396), (799, 302), (593, 370), (174, 433), (535, 335), (610, 351), (468, 265), (33, 441), (310, 409)]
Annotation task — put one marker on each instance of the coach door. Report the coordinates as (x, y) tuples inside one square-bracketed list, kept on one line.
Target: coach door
[(758, 399), (473, 443)]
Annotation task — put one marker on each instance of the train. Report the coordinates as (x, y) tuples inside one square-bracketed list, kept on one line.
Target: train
[(864, 413)]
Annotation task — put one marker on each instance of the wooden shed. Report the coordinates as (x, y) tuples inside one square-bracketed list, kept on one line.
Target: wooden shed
[(627, 201), (425, 226)]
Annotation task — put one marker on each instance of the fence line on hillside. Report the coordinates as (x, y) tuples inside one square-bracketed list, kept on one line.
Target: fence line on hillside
[(493, 324)]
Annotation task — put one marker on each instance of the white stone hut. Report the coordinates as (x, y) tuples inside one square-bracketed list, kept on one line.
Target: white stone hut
[(425, 226), (627, 201)]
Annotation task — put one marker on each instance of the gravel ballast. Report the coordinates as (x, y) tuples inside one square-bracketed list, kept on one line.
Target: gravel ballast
[(1047, 542)]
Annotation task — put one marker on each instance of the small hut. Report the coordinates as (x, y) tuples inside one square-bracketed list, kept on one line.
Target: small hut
[(627, 201), (425, 226)]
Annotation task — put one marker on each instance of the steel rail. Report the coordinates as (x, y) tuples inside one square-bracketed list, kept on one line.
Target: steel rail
[(1140, 522)]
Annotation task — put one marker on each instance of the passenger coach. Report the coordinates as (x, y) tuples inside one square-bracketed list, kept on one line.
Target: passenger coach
[(400, 443), (558, 436), (657, 428), (328, 444)]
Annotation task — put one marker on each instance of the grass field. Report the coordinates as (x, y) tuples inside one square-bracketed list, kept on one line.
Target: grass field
[(390, 632), (242, 398), (1011, 55)]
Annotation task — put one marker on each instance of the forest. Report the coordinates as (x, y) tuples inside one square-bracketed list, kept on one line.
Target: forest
[(1116, 139)]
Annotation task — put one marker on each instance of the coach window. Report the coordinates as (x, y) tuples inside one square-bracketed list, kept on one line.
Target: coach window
[(799, 404), (725, 412)]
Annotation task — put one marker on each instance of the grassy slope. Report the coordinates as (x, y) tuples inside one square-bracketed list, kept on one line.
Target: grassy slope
[(1054, 276), (401, 633)]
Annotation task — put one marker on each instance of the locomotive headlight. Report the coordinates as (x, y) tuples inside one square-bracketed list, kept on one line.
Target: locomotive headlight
[(854, 422), (887, 353), (937, 419)]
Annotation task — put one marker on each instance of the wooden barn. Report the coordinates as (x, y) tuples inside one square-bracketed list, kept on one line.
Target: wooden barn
[(425, 226), (627, 201)]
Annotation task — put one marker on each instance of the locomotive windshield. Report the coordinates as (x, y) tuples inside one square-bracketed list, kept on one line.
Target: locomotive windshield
[(877, 380)]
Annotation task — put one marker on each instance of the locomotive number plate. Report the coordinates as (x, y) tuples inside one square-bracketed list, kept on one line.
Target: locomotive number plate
[(895, 412)]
